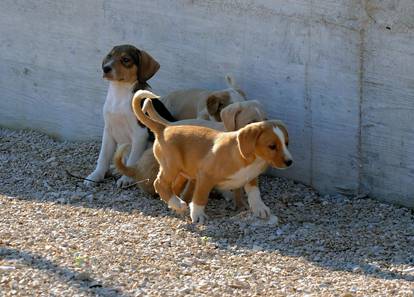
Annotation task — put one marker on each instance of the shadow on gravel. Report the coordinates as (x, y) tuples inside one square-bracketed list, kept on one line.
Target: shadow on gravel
[(361, 236), (81, 281)]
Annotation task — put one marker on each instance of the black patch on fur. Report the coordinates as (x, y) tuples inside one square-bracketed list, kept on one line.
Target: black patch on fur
[(158, 105), (162, 111)]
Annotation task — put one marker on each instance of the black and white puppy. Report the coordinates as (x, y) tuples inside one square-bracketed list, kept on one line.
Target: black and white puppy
[(127, 69)]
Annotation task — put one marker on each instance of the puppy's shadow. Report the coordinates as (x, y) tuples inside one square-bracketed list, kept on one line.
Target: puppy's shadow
[(339, 235)]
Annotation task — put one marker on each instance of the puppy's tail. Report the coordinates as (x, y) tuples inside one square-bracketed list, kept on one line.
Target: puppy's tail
[(122, 168), (231, 82), (153, 114), (140, 95)]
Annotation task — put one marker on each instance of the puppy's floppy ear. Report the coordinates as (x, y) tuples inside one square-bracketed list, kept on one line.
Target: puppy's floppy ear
[(216, 102), (229, 114), (147, 67), (246, 140)]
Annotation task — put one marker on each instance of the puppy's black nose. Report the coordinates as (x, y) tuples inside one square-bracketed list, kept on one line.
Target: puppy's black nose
[(106, 69), (288, 162)]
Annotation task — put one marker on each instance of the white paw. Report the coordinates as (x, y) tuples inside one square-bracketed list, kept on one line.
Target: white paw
[(197, 213), (177, 204), (124, 181), (93, 178), (260, 209)]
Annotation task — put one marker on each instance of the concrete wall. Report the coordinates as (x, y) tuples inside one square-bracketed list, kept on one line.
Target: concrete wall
[(338, 72)]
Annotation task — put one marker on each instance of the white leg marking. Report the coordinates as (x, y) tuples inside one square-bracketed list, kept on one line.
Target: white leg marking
[(255, 202), (177, 204), (197, 213)]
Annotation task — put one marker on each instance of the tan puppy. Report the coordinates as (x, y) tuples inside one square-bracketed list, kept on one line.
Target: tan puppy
[(203, 104), (227, 160), (234, 116)]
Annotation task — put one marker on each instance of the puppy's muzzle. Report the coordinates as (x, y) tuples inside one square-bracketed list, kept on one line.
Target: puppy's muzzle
[(107, 69)]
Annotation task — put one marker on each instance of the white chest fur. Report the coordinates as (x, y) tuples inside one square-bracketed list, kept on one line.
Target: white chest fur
[(244, 175), (120, 120)]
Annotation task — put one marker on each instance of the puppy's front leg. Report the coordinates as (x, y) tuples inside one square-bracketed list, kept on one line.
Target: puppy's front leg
[(137, 148), (105, 156), (255, 201)]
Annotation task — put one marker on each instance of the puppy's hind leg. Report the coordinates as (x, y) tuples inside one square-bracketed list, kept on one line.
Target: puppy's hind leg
[(163, 186), (202, 189)]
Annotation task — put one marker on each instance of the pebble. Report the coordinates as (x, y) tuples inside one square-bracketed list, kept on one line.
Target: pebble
[(5, 268)]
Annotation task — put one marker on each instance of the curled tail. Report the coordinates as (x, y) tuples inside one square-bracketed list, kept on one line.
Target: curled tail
[(140, 95), (153, 114), (122, 168), (231, 82)]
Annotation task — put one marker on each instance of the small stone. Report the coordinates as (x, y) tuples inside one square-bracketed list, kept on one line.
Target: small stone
[(257, 247), (51, 159), (83, 276), (356, 269), (5, 268), (273, 220), (236, 284)]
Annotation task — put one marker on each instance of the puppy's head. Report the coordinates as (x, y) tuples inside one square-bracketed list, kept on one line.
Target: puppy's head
[(126, 63), (239, 114), (216, 102), (267, 140)]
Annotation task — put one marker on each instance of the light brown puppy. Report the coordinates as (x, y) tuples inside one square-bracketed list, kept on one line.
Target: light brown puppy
[(201, 103), (234, 116), (227, 160)]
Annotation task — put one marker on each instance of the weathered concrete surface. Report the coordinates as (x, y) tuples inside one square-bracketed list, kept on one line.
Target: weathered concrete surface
[(330, 69), (387, 125)]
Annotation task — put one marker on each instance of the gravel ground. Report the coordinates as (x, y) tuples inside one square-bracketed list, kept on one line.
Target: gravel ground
[(59, 238)]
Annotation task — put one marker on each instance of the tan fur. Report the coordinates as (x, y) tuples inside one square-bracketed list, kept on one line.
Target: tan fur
[(145, 171), (240, 114), (216, 102), (202, 154), (235, 116), (201, 103)]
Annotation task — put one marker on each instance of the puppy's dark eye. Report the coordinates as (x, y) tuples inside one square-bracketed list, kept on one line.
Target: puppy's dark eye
[(287, 144), (125, 60), (272, 147)]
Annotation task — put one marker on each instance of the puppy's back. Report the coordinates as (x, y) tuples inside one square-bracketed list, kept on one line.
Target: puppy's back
[(184, 104)]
